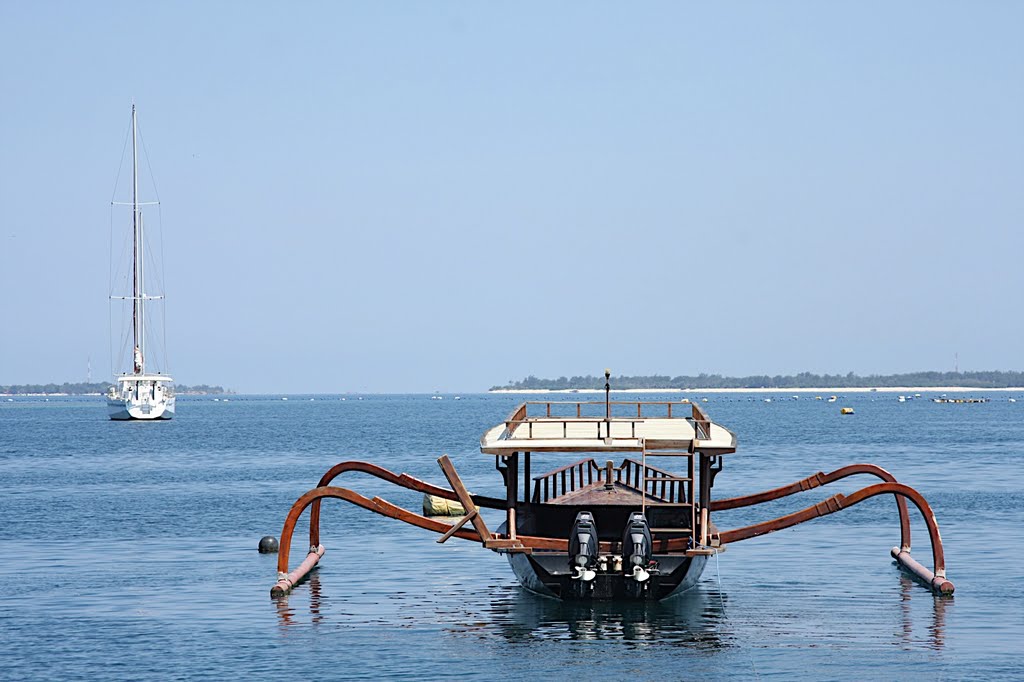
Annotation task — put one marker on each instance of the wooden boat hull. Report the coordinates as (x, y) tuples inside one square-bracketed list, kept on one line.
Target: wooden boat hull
[(547, 574)]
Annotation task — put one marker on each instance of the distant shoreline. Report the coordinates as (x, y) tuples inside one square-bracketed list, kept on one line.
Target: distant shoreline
[(93, 394), (93, 388), (830, 391)]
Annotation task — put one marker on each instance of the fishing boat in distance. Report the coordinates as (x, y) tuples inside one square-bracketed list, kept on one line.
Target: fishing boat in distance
[(139, 393), (595, 529)]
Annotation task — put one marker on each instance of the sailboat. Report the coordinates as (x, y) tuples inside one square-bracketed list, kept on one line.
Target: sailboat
[(139, 394)]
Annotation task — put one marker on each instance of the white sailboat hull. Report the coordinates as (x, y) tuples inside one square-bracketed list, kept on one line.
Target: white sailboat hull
[(141, 396), (125, 409)]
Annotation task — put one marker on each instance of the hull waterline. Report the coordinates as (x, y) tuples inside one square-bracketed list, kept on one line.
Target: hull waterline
[(126, 410), (606, 586)]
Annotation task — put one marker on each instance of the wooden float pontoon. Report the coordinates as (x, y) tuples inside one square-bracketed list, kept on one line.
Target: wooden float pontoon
[(596, 529)]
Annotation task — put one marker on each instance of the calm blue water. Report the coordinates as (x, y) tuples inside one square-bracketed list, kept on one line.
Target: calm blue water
[(129, 550)]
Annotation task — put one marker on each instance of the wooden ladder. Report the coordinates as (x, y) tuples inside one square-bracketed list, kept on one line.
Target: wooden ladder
[(685, 490)]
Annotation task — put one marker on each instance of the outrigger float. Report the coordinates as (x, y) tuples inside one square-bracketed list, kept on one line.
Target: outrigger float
[(596, 531)]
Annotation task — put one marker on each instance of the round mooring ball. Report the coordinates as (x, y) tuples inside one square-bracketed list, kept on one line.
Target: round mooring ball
[(268, 544)]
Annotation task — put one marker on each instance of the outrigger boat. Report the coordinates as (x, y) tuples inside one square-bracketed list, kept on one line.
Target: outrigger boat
[(591, 530)]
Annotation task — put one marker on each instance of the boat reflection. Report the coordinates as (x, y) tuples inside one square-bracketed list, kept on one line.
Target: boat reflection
[(696, 619), (693, 619), (909, 589), (286, 613)]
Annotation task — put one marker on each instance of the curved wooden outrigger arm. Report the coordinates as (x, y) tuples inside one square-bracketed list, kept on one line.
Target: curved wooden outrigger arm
[(936, 580), (820, 479), (381, 506), (403, 480)]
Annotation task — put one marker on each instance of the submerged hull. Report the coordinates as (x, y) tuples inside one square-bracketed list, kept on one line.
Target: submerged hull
[(128, 409), (548, 575)]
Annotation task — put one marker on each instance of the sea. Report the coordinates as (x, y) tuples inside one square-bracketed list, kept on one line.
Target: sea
[(129, 549)]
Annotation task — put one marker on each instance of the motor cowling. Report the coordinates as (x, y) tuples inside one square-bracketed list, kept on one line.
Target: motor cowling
[(583, 546), (637, 547)]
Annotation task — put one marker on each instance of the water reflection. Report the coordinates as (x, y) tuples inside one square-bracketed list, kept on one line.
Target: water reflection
[(286, 613), (694, 619), (909, 589)]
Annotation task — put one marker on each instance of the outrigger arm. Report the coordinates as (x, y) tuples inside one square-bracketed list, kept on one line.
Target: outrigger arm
[(936, 579), (817, 480), (323, 490), (287, 580)]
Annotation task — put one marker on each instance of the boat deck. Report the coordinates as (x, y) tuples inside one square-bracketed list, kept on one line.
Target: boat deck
[(599, 493), (573, 427)]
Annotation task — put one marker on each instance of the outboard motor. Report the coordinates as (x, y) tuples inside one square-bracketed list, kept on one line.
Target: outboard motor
[(583, 548), (637, 548)]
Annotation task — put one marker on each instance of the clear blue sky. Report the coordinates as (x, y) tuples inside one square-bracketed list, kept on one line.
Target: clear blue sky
[(420, 196)]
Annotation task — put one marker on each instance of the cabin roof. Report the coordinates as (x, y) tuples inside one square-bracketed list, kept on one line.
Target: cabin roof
[(143, 377), (573, 427)]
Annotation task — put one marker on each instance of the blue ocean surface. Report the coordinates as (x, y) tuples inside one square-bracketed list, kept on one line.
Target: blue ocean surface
[(129, 549)]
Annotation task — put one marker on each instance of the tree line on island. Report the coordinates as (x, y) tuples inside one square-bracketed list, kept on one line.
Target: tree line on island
[(87, 388), (993, 379)]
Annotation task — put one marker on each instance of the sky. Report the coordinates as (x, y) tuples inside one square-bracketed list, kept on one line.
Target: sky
[(445, 196)]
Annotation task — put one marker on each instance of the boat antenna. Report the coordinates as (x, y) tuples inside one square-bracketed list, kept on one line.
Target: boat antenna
[(607, 402)]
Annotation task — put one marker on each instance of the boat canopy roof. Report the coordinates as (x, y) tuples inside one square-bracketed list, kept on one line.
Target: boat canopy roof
[(143, 377), (606, 426)]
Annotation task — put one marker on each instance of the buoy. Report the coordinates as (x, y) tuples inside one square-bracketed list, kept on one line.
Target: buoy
[(268, 544), (439, 506), (846, 410)]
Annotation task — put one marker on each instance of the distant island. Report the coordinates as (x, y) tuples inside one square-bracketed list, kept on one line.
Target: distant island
[(802, 380), (85, 388)]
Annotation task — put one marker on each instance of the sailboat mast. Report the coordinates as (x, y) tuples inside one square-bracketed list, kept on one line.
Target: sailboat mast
[(137, 333)]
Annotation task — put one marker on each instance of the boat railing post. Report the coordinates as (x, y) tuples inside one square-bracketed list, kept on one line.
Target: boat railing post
[(526, 478), (512, 464)]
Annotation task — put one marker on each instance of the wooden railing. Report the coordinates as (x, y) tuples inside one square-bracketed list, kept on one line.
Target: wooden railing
[(517, 417), (589, 408), (661, 484), (585, 411), (566, 479), (701, 423)]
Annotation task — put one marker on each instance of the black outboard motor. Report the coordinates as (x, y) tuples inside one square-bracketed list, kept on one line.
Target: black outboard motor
[(583, 550), (637, 549)]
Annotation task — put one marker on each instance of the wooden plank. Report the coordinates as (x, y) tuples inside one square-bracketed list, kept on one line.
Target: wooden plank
[(703, 551), (508, 545), (467, 502), (459, 524)]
